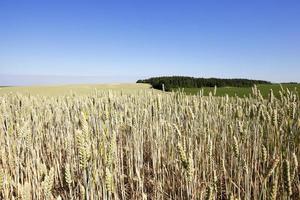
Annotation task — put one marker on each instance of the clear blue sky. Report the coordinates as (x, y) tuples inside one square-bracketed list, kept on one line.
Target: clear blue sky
[(133, 39)]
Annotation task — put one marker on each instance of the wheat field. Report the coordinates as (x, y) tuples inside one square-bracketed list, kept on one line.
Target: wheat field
[(78, 89), (149, 145)]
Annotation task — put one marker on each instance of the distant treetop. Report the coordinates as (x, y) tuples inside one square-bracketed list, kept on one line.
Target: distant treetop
[(171, 82)]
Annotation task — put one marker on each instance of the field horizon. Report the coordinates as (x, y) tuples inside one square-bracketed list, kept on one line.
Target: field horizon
[(64, 89), (86, 89)]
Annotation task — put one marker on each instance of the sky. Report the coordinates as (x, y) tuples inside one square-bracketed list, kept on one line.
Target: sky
[(61, 41)]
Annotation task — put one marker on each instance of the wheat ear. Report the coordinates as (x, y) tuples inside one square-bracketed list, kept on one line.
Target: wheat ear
[(287, 177)]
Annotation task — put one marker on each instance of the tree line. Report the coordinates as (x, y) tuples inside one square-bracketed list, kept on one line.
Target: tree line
[(170, 82)]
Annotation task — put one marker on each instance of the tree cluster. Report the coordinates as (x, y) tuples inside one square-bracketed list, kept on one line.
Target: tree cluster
[(171, 82)]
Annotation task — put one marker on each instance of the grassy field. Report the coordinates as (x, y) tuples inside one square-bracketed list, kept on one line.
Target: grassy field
[(241, 92), (80, 89)]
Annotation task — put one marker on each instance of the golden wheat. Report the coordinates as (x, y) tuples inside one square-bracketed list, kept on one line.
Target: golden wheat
[(148, 145)]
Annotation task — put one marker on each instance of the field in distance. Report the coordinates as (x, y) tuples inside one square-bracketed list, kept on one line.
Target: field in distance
[(242, 91), (81, 89), (86, 89)]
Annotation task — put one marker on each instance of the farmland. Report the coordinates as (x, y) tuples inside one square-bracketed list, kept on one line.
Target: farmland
[(109, 144), (78, 89), (241, 91)]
